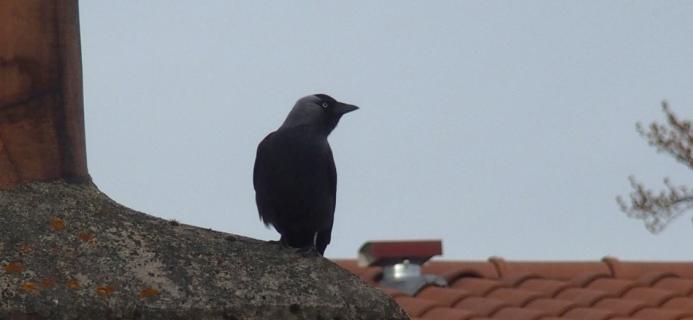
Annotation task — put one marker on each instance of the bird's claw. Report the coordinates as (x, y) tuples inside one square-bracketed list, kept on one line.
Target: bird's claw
[(308, 252), (275, 242)]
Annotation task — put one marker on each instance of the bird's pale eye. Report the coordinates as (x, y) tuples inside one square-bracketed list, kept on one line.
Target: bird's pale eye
[(324, 105)]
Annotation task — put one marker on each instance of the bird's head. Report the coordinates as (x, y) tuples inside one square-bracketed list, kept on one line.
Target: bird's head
[(318, 110)]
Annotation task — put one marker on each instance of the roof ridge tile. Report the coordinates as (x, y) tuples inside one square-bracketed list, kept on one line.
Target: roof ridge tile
[(500, 265), (611, 263), (636, 269)]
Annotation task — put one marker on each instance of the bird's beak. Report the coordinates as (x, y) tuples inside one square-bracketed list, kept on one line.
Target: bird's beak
[(343, 108)]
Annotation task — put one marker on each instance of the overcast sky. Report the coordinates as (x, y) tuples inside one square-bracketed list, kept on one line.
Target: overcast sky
[(501, 127)]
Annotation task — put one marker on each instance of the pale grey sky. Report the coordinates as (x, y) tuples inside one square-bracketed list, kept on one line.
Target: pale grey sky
[(502, 127)]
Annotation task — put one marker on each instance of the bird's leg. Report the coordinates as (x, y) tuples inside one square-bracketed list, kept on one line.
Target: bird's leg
[(277, 243), (282, 243), (310, 250)]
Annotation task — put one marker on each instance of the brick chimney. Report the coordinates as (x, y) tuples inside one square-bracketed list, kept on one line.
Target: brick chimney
[(401, 262)]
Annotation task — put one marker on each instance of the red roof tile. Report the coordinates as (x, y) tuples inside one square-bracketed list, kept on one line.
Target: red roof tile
[(515, 313), (551, 270), (613, 286), (416, 307), (651, 297), (451, 270), (545, 286), (679, 303), (476, 286), (588, 314), (447, 296), (680, 286), (553, 307), (497, 289), (661, 314), (634, 270), (516, 297), (448, 314), (620, 306), (582, 297), (481, 305)]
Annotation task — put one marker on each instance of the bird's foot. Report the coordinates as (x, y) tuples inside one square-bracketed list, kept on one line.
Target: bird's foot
[(308, 252), (280, 245), (275, 242)]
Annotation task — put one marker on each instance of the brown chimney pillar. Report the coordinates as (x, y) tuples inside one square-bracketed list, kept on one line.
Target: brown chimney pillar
[(41, 102)]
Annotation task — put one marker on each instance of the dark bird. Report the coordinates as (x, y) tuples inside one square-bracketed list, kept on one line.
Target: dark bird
[(295, 178)]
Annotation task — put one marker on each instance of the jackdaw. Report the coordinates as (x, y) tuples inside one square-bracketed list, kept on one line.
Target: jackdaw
[(295, 178)]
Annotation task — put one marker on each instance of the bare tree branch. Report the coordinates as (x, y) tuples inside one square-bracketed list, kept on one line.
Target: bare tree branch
[(675, 137), (657, 210)]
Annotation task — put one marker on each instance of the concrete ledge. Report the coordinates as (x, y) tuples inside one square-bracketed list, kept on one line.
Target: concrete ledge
[(67, 251)]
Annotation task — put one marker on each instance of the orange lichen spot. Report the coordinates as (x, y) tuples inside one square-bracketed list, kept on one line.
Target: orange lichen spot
[(73, 283), (148, 292), (25, 248), (13, 267), (86, 237), (48, 282), (105, 291), (57, 224), (30, 287)]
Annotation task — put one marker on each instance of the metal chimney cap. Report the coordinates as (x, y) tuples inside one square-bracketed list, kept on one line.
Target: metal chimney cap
[(384, 253)]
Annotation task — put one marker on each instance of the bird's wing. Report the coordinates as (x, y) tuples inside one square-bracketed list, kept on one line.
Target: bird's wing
[(332, 178), (262, 172), (324, 235)]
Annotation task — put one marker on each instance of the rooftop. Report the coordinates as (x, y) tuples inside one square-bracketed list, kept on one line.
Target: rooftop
[(609, 289)]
